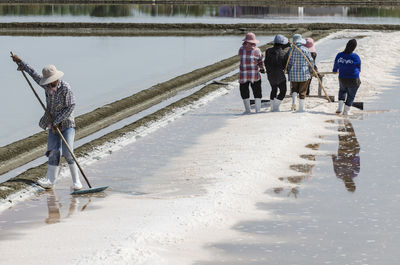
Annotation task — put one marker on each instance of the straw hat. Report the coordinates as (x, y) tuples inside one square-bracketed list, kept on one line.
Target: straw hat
[(251, 38), (50, 74), (310, 44)]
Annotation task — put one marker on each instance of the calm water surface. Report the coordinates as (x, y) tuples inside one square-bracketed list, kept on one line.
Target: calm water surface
[(198, 13), (99, 69)]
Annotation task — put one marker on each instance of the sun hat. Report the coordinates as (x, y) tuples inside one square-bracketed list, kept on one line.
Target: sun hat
[(298, 39), (280, 39), (50, 74), (310, 44), (251, 37)]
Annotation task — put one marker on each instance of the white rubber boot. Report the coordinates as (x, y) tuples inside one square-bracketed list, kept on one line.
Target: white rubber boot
[(277, 104), (258, 104), (75, 176), (246, 103), (340, 107), (346, 110), (294, 98), (51, 175), (301, 105)]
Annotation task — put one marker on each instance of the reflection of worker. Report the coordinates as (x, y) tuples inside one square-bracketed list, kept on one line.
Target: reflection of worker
[(54, 207), (346, 163)]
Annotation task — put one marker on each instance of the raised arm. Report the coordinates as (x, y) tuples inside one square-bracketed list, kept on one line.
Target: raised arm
[(27, 68)]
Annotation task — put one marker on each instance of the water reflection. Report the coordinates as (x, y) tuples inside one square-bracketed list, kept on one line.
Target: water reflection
[(231, 11), (55, 207), (346, 163)]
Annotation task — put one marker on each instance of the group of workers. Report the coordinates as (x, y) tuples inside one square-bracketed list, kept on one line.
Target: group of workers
[(297, 59)]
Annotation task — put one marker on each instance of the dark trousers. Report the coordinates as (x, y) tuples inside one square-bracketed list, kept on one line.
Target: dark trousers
[(300, 88), (256, 87), (348, 89), (282, 91)]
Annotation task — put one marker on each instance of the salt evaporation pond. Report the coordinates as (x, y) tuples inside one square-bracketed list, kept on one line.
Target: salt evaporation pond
[(100, 70), (344, 210), (159, 13), (322, 221)]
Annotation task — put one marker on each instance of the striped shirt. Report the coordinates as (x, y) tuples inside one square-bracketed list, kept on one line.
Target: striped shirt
[(250, 63), (298, 68), (60, 104)]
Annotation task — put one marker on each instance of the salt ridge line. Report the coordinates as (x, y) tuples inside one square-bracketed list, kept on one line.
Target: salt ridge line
[(116, 144)]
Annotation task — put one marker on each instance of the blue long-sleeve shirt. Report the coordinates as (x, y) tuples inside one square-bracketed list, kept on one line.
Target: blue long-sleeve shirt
[(348, 65)]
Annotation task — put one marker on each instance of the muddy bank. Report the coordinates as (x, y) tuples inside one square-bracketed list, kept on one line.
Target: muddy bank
[(16, 154), (178, 29), (250, 2)]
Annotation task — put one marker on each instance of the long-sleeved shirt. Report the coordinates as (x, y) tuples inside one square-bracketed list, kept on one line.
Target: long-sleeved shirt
[(250, 63), (60, 104), (275, 64), (298, 68), (349, 65)]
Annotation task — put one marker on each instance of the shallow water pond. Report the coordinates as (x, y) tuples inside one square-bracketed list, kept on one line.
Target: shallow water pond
[(99, 69)]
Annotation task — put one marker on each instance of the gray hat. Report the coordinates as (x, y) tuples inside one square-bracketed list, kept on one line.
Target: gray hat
[(50, 74), (280, 39), (298, 39)]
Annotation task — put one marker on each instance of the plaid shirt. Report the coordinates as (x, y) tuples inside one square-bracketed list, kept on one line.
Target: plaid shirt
[(250, 62), (298, 68), (60, 104)]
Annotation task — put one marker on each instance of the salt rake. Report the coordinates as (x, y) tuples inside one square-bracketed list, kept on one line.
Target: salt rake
[(77, 192)]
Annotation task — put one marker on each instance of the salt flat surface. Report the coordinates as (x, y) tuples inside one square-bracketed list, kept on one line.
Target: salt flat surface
[(186, 186)]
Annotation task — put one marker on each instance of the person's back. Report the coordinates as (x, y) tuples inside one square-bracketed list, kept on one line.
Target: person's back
[(275, 64), (348, 65), (298, 69)]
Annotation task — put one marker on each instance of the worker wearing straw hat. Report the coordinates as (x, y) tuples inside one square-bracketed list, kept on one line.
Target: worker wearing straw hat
[(60, 104), (299, 71), (251, 64)]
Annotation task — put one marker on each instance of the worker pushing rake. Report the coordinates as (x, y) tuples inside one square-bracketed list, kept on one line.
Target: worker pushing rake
[(347, 63), (60, 123)]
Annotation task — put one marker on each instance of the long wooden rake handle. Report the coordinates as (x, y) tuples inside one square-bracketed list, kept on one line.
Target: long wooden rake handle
[(57, 129), (290, 54)]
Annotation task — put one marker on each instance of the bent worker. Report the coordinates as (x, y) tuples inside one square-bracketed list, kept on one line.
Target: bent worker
[(60, 104), (275, 64), (251, 64), (348, 64), (299, 71)]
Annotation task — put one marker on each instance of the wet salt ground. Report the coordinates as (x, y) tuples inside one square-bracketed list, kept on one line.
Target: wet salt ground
[(343, 210)]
